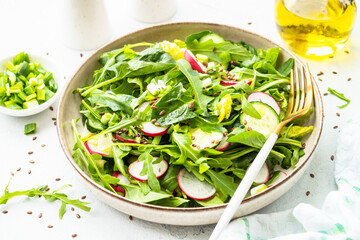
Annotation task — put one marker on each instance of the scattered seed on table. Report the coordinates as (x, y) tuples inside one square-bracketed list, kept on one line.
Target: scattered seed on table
[(54, 119), (335, 127), (334, 72), (78, 215), (81, 54), (72, 209), (55, 123), (29, 172), (320, 79), (346, 51), (57, 179), (50, 226), (320, 73), (249, 23), (29, 212), (43, 145), (30, 153), (312, 175), (40, 215), (130, 218), (47, 53), (34, 138), (5, 212), (331, 56), (307, 193), (18, 169), (83, 197), (338, 114), (74, 235), (303, 145), (332, 157), (325, 94), (32, 161), (12, 174), (349, 79), (51, 108)]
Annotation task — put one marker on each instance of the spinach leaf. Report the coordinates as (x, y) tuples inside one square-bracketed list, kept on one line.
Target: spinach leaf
[(171, 202), (223, 182), (175, 110), (249, 138), (117, 102), (149, 170), (285, 69), (133, 192), (210, 202), (193, 77), (249, 109), (169, 181), (196, 36)]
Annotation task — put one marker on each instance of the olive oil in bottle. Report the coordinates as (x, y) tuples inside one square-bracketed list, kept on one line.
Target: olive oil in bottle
[(315, 28)]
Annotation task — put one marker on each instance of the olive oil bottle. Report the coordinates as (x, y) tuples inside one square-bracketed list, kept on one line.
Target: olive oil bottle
[(315, 28)]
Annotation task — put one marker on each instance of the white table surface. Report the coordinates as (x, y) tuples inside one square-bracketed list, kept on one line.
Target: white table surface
[(33, 26)]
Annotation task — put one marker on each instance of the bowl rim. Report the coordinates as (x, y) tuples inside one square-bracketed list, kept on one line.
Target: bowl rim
[(317, 95), (41, 107)]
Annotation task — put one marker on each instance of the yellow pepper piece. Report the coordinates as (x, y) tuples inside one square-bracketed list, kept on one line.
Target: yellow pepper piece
[(174, 50), (224, 107)]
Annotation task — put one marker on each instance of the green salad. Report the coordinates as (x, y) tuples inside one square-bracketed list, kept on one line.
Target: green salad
[(25, 84), (178, 123)]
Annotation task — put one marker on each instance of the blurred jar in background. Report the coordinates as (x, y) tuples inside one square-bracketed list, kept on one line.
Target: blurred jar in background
[(315, 28), (152, 11)]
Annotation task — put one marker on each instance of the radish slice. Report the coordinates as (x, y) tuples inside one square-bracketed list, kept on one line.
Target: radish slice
[(193, 187), (263, 175), (149, 129), (202, 140), (100, 145), (230, 83), (279, 178), (120, 138), (223, 144), (143, 106), (159, 169), (195, 64), (264, 98), (122, 179)]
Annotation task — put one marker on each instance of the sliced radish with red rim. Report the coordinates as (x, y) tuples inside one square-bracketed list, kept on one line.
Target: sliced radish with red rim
[(193, 187), (230, 83), (122, 179), (136, 167), (195, 64), (149, 129), (263, 175), (279, 178), (143, 106), (265, 98), (123, 138), (100, 145), (223, 144)]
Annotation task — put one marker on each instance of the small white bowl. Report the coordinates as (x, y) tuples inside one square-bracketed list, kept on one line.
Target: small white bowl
[(49, 66)]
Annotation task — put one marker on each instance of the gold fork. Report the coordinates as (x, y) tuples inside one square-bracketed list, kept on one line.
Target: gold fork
[(300, 101)]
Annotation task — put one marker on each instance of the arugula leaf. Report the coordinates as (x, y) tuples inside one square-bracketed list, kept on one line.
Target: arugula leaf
[(133, 192), (196, 36), (51, 196), (285, 69), (184, 143), (341, 96), (210, 202), (193, 77), (249, 109), (223, 182), (170, 202), (116, 102), (149, 170), (249, 138)]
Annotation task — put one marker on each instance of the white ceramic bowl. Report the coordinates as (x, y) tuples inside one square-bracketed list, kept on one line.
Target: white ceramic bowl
[(49, 66), (69, 109)]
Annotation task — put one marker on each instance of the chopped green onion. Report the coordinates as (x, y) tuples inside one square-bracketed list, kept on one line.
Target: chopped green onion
[(30, 128), (341, 96)]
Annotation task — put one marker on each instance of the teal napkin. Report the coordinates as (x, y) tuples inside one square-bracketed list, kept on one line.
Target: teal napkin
[(339, 217)]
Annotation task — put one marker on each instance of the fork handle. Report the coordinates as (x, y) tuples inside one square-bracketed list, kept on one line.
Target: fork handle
[(244, 186)]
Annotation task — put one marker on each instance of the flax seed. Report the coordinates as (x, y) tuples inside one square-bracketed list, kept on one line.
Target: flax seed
[(57, 179), (81, 55), (193, 137), (34, 138), (30, 153), (51, 108), (232, 62), (198, 147), (47, 189), (338, 114), (5, 212), (213, 49), (43, 145), (320, 73), (249, 23), (213, 141), (191, 105), (50, 226), (245, 122), (78, 215), (346, 51), (29, 212), (334, 72), (47, 53), (325, 94), (331, 56), (83, 197), (153, 107), (312, 175), (12, 174), (332, 157), (55, 123), (249, 128), (307, 193), (335, 127), (72, 209), (74, 235), (18, 169), (349, 79), (320, 79), (130, 218), (54, 119), (29, 172), (303, 145), (186, 122), (162, 112), (157, 124), (32, 161), (102, 113)]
